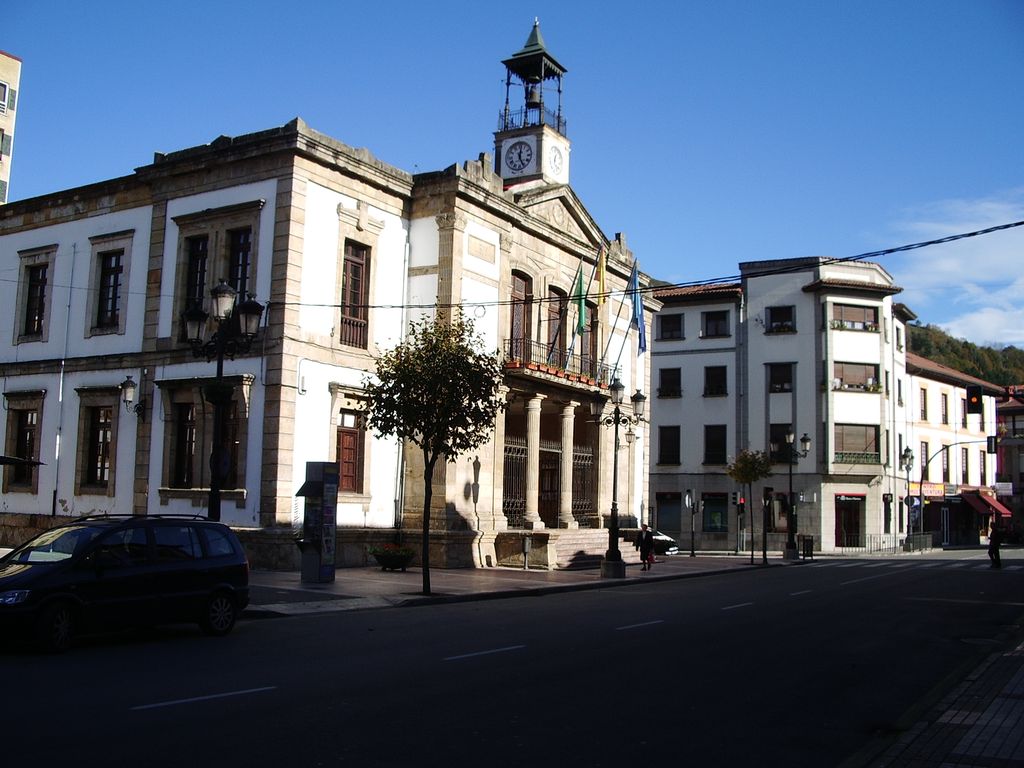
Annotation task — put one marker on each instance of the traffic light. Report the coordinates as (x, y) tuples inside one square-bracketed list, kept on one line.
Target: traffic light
[(734, 498), (974, 401), (990, 446), (741, 506)]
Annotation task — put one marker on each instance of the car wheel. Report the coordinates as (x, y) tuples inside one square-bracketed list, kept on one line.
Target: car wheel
[(219, 615), (55, 627)]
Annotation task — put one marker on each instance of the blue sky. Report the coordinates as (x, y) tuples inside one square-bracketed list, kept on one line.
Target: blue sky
[(708, 132)]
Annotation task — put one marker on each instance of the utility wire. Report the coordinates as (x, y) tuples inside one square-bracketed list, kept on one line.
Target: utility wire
[(608, 294)]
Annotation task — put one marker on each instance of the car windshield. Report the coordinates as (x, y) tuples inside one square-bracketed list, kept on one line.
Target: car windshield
[(55, 545)]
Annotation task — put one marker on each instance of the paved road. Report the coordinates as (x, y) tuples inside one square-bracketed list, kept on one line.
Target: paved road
[(811, 665)]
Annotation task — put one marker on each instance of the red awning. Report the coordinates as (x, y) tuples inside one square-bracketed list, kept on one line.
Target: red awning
[(986, 504)]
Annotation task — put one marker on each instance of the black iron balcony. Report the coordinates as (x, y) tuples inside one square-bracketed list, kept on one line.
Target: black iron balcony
[(522, 118), (545, 358)]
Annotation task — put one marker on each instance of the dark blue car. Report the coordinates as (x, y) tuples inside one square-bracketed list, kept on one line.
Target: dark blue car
[(123, 571)]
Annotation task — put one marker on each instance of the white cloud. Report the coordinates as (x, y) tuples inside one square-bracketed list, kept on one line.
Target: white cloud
[(971, 287)]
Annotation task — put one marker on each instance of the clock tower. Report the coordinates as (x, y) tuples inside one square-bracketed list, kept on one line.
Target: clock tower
[(530, 143)]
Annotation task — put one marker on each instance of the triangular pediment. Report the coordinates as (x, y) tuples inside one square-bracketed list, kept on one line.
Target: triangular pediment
[(559, 207)]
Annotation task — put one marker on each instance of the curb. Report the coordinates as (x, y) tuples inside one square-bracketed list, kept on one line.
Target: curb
[(282, 610)]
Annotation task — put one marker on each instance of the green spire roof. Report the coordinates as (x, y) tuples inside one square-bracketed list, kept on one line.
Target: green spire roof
[(534, 60)]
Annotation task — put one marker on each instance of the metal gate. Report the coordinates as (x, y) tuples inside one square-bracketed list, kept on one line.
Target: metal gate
[(584, 507), (514, 487), (550, 482)]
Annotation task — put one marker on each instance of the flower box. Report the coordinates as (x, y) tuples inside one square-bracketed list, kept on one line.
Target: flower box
[(392, 557)]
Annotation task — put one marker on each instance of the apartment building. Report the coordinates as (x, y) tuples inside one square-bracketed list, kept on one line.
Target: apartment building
[(955, 464), (806, 360), (10, 84)]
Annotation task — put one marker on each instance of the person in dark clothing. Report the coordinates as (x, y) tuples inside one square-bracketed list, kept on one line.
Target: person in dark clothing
[(645, 543), (995, 538)]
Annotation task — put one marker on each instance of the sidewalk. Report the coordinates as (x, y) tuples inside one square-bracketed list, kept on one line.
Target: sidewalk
[(282, 593), (978, 723)]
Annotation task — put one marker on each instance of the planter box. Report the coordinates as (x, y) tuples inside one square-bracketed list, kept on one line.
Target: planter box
[(393, 562)]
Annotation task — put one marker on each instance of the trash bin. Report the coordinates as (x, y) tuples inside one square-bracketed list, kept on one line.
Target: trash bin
[(807, 547)]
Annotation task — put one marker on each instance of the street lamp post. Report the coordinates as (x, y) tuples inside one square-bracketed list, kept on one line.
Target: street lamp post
[(612, 567), (229, 339), (794, 454), (689, 506), (907, 463)]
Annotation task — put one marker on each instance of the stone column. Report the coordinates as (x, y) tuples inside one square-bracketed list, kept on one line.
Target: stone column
[(565, 518), (532, 517)]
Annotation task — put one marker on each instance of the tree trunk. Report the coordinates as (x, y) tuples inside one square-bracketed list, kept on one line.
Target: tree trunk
[(428, 492)]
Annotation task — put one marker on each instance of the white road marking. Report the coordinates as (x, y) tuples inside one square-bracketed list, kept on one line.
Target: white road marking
[(803, 592), (738, 605), (642, 624), (195, 699), (484, 653)]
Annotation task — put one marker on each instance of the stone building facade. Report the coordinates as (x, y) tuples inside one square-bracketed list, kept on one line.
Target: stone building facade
[(344, 251)]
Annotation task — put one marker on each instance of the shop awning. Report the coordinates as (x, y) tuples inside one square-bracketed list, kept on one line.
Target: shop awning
[(986, 504)]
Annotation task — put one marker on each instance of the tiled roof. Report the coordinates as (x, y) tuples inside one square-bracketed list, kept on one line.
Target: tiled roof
[(930, 369), (699, 292)]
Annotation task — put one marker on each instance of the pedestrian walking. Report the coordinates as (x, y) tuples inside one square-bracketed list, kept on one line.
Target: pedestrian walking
[(995, 538), (645, 543)]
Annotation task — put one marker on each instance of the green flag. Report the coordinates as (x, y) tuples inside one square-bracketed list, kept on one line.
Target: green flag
[(581, 306)]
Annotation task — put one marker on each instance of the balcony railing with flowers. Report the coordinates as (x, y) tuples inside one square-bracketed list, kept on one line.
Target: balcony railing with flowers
[(536, 356)]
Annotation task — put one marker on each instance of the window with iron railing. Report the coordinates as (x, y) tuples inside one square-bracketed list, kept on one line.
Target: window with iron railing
[(355, 296), (856, 444), (670, 382)]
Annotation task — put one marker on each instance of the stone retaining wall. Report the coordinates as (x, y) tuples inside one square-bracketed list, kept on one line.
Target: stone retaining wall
[(16, 529), (277, 549)]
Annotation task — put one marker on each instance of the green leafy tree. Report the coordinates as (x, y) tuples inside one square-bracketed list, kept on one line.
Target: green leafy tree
[(438, 390), (749, 467)]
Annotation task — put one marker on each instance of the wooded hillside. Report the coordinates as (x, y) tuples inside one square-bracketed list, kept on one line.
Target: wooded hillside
[(998, 366)]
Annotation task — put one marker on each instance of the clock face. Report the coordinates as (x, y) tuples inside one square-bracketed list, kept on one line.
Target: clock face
[(518, 156), (555, 160)]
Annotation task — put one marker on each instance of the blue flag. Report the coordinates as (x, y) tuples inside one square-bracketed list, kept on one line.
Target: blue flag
[(638, 307)]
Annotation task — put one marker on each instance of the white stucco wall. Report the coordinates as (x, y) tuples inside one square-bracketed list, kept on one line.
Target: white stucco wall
[(265, 190)]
